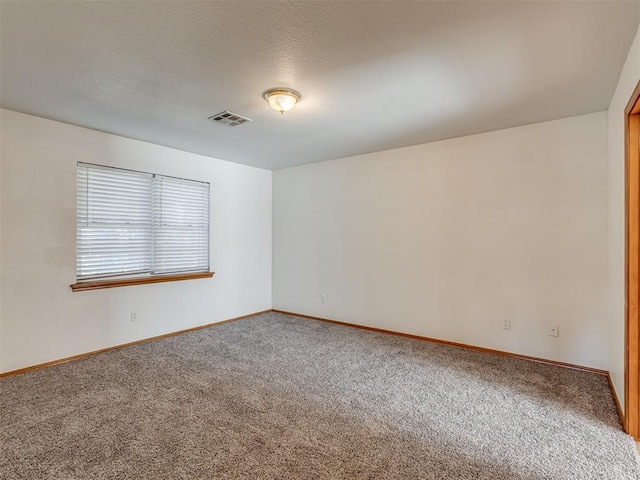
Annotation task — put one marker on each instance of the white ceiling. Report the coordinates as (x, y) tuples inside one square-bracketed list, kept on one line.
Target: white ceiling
[(373, 75)]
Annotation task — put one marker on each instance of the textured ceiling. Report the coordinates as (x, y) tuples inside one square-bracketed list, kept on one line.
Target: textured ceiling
[(373, 75)]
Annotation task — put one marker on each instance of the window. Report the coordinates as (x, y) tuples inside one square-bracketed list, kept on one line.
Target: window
[(135, 227)]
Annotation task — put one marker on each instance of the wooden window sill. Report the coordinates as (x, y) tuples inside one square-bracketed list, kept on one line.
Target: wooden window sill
[(99, 284)]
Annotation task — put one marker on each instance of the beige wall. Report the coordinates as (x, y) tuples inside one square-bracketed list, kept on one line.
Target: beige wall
[(446, 239), (628, 80), (42, 319)]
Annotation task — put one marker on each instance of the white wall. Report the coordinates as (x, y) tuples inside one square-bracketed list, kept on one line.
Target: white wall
[(448, 238), (42, 319), (628, 80)]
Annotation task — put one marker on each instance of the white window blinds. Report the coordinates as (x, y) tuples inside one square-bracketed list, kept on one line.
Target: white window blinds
[(139, 224), (180, 225), (113, 222)]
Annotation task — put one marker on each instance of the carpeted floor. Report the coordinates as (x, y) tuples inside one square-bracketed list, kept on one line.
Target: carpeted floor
[(280, 397)]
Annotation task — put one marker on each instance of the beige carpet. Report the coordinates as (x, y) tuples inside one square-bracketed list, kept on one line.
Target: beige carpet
[(280, 397)]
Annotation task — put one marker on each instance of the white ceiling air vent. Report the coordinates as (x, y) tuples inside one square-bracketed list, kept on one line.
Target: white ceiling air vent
[(229, 118)]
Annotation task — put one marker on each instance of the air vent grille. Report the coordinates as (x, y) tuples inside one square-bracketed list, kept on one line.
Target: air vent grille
[(229, 118)]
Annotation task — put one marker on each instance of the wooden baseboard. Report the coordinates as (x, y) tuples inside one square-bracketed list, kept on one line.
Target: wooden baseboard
[(615, 398), (453, 344), (335, 322), (130, 344)]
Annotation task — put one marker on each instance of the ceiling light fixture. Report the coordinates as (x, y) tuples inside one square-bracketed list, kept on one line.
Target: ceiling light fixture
[(282, 99)]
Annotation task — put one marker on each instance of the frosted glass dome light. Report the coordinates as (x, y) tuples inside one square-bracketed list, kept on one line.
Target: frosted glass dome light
[(282, 99)]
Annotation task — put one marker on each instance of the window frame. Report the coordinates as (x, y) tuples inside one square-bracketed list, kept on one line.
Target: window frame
[(128, 279)]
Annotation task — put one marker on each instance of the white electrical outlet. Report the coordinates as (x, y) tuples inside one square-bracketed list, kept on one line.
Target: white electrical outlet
[(506, 324), (323, 298), (134, 316), (554, 330)]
